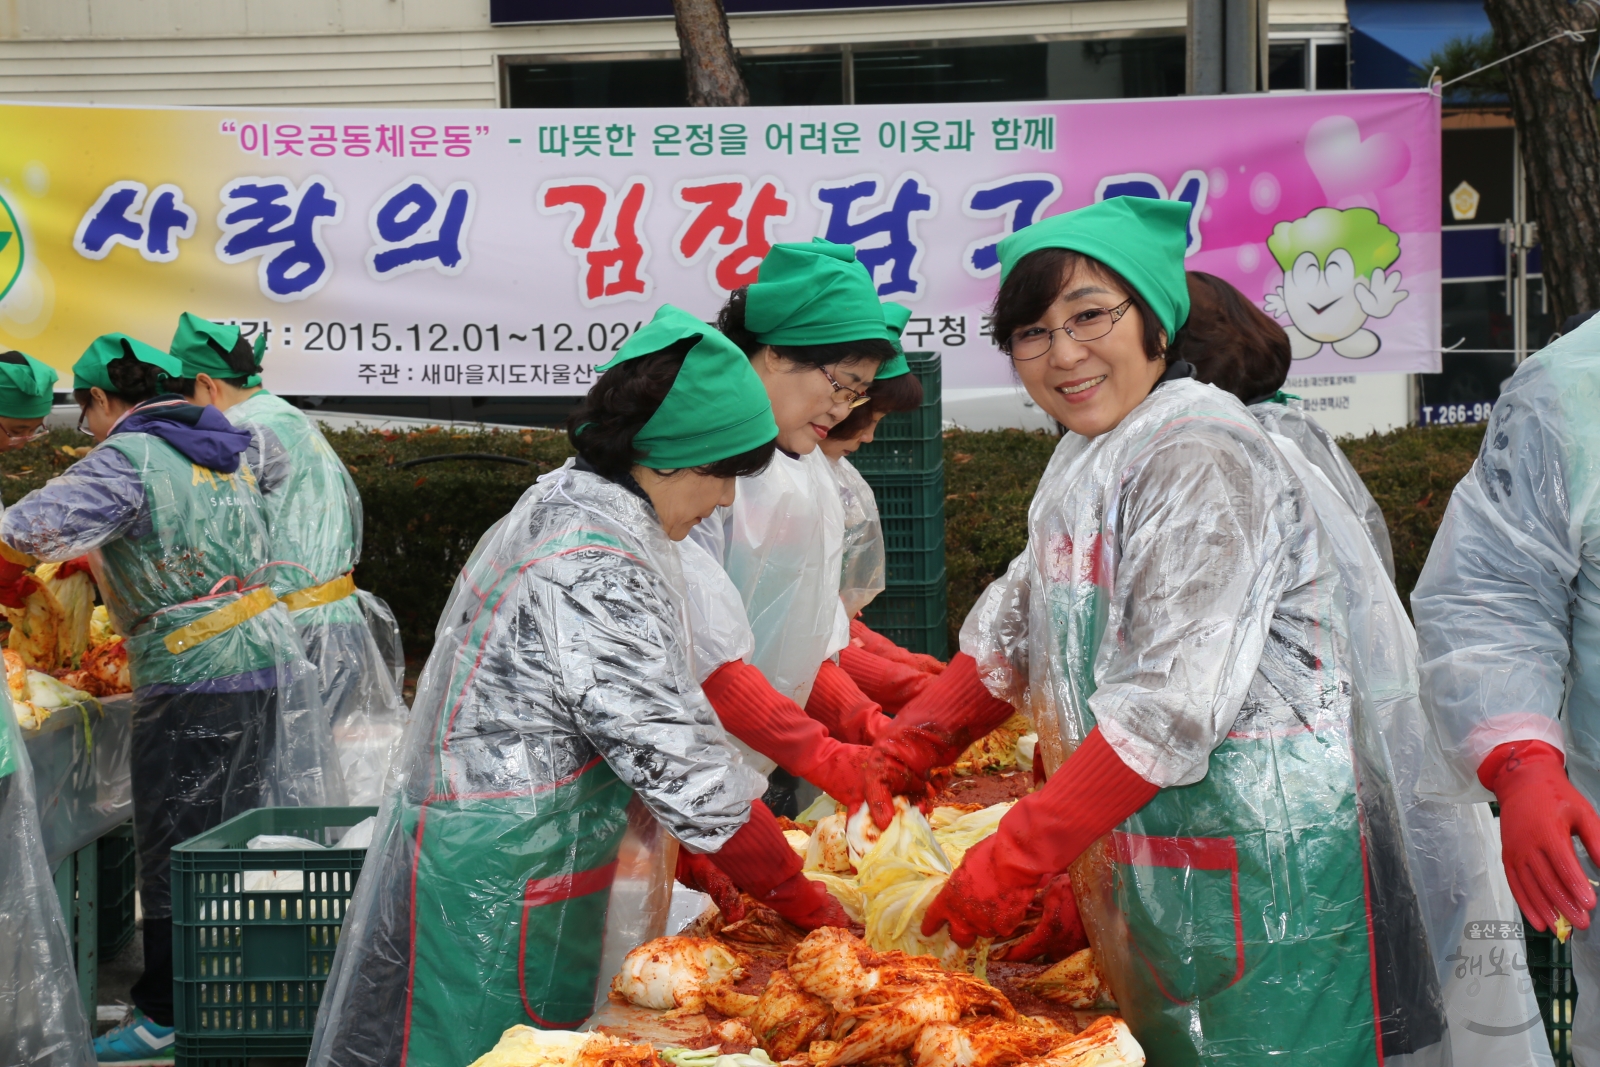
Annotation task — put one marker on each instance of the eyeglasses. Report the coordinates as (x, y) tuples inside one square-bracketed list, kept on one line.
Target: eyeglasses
[(83, 424), (1091, 325), (856, 399), (24, 438)]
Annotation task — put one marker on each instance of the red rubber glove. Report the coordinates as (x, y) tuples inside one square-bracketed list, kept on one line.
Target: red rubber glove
[(758, 860), (891, 684), (80, 565), (881, 646), (849, 714), (1540, 811), (1060, 930), (774, 725), (699, 873), (932, 731), (15, 585), (989, 894)]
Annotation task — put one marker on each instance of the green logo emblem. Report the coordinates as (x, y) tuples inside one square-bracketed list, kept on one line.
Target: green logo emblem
[(11, 251)]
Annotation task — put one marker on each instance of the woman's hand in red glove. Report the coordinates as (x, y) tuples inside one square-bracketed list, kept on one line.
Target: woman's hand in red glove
[(1060, 930), (983, 898), (700, 874), (1540, 811), (806, 904)]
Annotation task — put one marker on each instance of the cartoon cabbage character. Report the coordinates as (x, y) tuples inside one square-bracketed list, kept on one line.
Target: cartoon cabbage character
[(1335, 277)]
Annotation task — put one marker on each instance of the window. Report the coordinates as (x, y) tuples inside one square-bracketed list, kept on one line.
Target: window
[(1317, 62), (1286, 64), (951, 75), (1332, 65)]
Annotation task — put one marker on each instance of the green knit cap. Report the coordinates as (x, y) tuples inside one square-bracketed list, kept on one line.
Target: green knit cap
[(27, 389), (717, 407), (895, 316), (1140, 238), (813, 294), (90, 370), (203, 346)]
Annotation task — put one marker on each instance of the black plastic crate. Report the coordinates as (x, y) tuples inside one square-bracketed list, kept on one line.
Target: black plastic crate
[(119, 870), (249, 966), (910, 440)]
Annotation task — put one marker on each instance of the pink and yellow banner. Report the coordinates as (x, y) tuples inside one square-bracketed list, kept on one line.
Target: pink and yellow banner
[(508, 252)]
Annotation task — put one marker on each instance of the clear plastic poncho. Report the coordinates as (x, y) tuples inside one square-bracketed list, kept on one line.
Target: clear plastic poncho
[(782, 543), (1508, 604), (226, 713), (560, 688), (865, 563), (1290, 419), (42, 1023), (314, 521), (1178, 593), (1453, 848)]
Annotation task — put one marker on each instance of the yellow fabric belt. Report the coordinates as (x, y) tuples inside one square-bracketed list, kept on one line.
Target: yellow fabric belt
[(314, 596), (224, 618)]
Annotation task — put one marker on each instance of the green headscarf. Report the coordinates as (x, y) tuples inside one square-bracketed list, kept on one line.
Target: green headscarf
[(813, 294), (27, 390), (717, 407), (1140, 238), (202, 346), (90, 370), (895, 316)]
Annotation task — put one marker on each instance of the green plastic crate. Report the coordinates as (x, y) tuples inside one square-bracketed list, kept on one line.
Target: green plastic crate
[(1550, 968), (251, 966), (907, 495), (229, 1050), (913, 615), (909, 440), (119, 870), (923, 563)]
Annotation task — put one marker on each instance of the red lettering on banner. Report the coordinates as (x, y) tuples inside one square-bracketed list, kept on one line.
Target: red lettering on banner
[(605, 235), (733, 218)]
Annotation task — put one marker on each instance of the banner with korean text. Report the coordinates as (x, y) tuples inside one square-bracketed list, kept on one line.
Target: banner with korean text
[(508, 252)]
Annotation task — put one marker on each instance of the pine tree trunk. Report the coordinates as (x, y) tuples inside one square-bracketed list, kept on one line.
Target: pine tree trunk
[(1554, 108), (710, 67)]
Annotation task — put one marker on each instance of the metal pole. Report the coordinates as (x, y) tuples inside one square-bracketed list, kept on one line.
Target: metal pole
[(1205, 47), (1243, 42)]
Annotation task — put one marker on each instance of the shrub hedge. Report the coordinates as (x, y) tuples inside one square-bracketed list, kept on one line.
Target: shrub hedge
[(423, 520)]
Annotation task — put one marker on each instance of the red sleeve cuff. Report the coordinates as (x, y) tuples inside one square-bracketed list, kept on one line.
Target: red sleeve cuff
[(1514, 754)]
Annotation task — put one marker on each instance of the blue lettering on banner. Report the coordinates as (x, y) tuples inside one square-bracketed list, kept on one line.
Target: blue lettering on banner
[(127, 213), (1021, 199), (1191, 190), (885, 238), (411, 231), (282, 224)]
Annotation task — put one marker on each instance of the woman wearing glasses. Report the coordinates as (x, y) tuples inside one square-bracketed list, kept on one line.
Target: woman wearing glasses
[(1177, 622), (226, 716), (764, 574)]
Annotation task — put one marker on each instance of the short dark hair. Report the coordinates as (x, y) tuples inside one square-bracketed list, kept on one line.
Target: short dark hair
[(623, 399), (132, 381), (1038, 278), (903, 392), (730, 320), (1233, 344), (241, 359)]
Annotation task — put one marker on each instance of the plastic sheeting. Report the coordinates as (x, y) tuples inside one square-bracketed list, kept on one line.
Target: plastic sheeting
[(42, 1023), (1224, 908), (80, 774), (1474, 929), (1289, 419), (559, 688), (782, 543), (314, 523), (1508, 618), (865, 562), (718, 629), (226, 711)]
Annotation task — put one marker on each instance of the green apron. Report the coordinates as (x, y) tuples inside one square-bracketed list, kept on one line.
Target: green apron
[(509, 892), (314, 517), (206, 527), (1238, 903)]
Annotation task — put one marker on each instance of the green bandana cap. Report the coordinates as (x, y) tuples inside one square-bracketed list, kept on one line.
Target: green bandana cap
[(1140, 238), (27, 392), (90, 370), (717, 407), (813, 294), (202, 347), (895, 316)]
